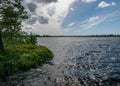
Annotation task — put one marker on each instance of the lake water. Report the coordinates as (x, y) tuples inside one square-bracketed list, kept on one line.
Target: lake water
[(78, 61)]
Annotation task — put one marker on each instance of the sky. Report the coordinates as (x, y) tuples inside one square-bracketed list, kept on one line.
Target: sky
[(72, 17)]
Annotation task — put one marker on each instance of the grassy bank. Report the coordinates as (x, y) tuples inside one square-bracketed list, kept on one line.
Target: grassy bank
[(22, 57)]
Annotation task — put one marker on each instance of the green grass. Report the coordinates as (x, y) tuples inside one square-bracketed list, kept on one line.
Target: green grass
[(22, 57)]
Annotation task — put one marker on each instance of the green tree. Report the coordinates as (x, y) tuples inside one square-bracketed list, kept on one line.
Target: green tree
[(12, 13)]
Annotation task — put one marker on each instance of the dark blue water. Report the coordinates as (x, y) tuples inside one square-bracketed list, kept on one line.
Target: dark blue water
[(78, 61)]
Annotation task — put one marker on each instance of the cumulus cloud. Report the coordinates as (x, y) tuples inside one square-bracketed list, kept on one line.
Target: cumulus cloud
[(104, 4), (88, 1), (32, 20), (51, 11), (32, 7), (46, 16), (43, 20)]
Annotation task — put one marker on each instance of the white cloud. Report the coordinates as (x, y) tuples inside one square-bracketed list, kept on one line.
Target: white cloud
[(91, 22), (113, 3), (72, 9), (88, 1), (55, 12), (86, 24), (52, 28), (67, 30), (94, 19), (71, 24), (104, 4)]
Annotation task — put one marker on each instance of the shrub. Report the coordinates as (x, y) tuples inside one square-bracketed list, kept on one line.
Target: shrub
[(22, 57), (30, 39)]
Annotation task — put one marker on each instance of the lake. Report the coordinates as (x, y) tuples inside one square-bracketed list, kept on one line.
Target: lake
[(78, 61)]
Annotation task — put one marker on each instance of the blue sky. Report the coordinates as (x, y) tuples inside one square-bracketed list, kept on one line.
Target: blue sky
[(73, 17)]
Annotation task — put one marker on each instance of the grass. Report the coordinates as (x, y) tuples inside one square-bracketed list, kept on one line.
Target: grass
[(22, 57)]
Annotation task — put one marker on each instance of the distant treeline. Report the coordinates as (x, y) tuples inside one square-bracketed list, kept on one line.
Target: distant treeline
[(110, 35)]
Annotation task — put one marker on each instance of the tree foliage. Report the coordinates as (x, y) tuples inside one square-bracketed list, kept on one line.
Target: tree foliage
[(12, 13)]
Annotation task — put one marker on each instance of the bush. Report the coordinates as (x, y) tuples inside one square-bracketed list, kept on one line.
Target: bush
[(22, 57), (30, 39)]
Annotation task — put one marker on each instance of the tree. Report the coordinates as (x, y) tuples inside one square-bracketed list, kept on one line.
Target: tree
[(12, 13), (1, 43)]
